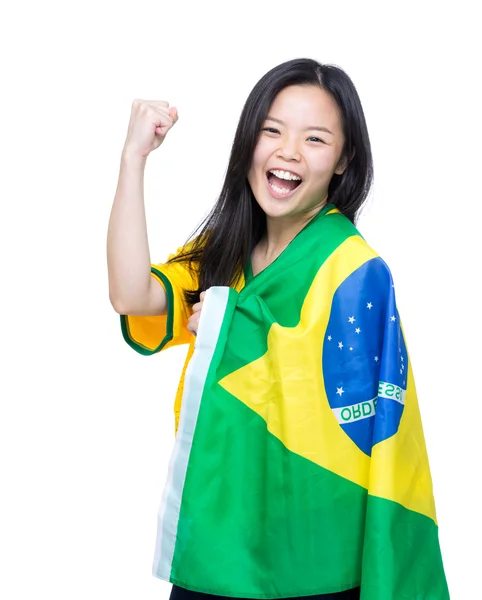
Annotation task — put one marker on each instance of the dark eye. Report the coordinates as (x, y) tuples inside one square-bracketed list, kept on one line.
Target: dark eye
[(270, 129), (316, 139)]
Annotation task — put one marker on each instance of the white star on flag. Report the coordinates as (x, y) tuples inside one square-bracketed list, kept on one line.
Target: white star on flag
[(393, 318), (352, 320), (369, 306), (329, 338), (340, 391), (376, 359), (351, 348), (357, 330), (340, 345)]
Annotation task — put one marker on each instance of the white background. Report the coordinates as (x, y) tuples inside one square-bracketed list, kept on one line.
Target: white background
[(86, 424)]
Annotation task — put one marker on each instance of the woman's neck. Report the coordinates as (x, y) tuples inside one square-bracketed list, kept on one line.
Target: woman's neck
[(280, 232)]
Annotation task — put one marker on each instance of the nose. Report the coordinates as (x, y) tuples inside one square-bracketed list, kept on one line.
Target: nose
[(288, 150)]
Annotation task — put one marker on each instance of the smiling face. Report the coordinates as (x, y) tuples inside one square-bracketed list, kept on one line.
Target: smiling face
[(298, 151)]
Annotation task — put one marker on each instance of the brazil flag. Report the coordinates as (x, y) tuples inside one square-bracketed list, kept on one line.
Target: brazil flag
[(300, 466)]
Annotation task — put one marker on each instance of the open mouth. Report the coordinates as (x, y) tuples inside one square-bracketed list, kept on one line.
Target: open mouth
[(282, 184)]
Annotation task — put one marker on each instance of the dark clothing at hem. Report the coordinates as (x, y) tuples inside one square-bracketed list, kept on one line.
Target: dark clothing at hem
[(178, 593)]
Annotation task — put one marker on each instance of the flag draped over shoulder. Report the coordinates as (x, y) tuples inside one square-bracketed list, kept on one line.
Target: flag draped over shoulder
[(300, 465)]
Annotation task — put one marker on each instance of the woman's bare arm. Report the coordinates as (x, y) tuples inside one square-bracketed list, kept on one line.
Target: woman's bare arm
[(132, 289)]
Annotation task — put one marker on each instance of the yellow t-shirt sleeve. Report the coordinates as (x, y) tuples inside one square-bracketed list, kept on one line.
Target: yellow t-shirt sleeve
[(150, 334)]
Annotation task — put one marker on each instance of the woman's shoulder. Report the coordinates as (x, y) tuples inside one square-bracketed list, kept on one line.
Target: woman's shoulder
[(359, 251)]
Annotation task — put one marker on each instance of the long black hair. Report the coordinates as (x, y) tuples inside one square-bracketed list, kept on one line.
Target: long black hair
[(222, 248)]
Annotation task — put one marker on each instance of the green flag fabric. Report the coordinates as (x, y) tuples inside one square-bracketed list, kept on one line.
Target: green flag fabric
[(299, 465)]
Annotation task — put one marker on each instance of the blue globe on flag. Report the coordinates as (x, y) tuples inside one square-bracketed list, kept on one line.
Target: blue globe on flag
[(363, 337)]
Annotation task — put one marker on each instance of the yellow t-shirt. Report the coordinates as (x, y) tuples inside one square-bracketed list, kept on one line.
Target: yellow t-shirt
[(151, 334)]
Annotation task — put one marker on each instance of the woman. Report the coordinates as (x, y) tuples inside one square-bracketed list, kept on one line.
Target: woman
[(294, 473)]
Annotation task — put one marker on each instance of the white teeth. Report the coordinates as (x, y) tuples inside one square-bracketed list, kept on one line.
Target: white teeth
[(285, 175), (279, 190)]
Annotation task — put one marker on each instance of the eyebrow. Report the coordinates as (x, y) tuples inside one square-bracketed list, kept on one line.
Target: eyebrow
[(315, 127)]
